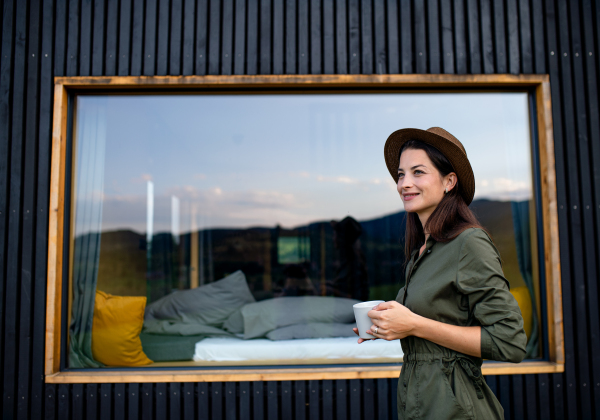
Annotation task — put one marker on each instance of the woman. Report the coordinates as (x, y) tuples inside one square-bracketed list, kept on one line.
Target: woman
[(456, 308), (351, 280)]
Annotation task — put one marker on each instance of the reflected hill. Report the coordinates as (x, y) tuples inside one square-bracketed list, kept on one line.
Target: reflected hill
[(211, 254)]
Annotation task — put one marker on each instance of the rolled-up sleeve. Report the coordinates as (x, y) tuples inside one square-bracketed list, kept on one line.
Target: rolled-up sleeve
[(481, 280)]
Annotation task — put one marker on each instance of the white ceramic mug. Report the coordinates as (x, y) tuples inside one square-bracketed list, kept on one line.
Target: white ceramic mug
[(363, 322)]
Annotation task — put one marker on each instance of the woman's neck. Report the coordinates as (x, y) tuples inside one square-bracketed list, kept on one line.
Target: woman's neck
[(424, 217)]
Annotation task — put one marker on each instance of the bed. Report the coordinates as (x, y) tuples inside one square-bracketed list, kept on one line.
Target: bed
[(310, 351), (220, 324), (224, 351)]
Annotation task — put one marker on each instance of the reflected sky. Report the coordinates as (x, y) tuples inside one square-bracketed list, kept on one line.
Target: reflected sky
[(262, 160)]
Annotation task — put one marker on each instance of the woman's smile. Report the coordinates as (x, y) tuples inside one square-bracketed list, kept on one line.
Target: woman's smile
[(409, 196)]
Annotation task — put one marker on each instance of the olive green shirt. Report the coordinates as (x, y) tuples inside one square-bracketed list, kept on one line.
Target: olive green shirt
[(459, 283)]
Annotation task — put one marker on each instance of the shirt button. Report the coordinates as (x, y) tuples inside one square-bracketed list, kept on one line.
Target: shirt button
[(404, 383), (429, 251)]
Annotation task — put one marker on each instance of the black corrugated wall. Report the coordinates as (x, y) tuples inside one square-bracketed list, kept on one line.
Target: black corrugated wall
[(44, 38)]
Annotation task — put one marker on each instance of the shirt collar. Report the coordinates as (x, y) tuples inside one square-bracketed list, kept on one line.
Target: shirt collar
[(428, 245)]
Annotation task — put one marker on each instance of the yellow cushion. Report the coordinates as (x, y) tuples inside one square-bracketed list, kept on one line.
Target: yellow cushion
[(116, 328), (523, 298)]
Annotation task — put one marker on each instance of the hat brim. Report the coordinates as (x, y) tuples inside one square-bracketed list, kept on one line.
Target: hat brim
[(454, 154)]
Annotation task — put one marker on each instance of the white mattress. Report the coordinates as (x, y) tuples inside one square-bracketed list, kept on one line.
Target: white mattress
[(238, 350)]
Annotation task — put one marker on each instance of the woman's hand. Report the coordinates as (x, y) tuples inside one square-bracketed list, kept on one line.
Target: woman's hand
[(392, 321), (395, 321), (360, 340)]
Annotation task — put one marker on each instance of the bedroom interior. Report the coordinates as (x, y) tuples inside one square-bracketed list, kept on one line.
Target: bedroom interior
[(227, 245)]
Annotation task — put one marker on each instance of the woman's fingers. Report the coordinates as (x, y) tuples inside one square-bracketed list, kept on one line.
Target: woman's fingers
[(384, 310), (360, 340), (387, 305), (381, 333), (375, 314), (375, 330)]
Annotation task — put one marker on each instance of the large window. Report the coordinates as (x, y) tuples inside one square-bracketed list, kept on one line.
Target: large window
[(237, 229)]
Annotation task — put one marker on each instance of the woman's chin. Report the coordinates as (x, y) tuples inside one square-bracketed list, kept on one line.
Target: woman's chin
[(410, 207)]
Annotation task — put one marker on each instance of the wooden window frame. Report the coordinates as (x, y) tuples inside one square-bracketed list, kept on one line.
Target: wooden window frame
[(539, 85)]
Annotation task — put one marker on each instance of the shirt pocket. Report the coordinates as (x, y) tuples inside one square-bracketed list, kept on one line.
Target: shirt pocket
[(459, 386), (436, 397)]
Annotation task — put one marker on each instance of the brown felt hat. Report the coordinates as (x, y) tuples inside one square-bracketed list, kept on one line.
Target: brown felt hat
[(445, 142)]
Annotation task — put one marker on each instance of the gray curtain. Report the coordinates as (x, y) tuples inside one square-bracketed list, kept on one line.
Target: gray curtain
[(520, 211), (90, 145)]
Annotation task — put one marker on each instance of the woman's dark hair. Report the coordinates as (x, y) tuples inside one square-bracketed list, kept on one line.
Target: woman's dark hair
[(449, 219)]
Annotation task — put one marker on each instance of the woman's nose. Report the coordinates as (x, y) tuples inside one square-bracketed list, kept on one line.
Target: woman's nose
[(401, 187), (404, 183)]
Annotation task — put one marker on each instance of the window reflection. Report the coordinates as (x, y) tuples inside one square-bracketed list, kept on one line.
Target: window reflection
[(284, 196)]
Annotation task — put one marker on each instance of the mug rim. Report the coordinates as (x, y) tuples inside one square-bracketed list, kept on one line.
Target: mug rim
[(364, 304)]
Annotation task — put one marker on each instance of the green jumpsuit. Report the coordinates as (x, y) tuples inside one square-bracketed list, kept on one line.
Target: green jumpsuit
[(460, 283)]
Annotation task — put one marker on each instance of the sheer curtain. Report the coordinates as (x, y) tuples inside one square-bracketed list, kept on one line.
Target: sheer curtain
[(90, 144), (516, 129), (520, 211)]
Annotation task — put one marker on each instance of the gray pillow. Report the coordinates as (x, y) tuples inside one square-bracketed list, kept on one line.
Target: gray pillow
[(210, 304), (312, 330), (168, 327), (235, 322), (268, 315)]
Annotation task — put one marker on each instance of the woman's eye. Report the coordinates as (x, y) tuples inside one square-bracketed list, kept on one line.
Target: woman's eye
[(400, 175), (419, 172)]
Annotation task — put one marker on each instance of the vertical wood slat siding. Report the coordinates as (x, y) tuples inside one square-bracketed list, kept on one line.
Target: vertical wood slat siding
[(123, 50), (594, 201), (447, 31), (14, 196), (590, 277), (460, 36), (380, 54), (579, 403), (559, 390), (28, 210), (85, 38), (329, 30), (41, 39), (278, 37), (315, 36), (419, 30), (112, 33), (41, 209), (137, 39), (392, 37), (303, 35), (162, 36), (353, 13)]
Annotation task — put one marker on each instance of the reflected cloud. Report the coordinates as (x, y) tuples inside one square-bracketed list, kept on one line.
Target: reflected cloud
[(142, 179), (362, 184), (510, 184), (503, 189), (221, 208), (338, 179)]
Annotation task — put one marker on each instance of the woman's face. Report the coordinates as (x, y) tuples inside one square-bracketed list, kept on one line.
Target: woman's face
[(420, 184)]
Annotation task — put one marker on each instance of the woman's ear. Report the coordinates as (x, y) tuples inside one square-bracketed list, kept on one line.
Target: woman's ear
[(450, 181)]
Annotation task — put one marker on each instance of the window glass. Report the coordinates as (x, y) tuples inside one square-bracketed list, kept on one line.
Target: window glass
[(239, 229)]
